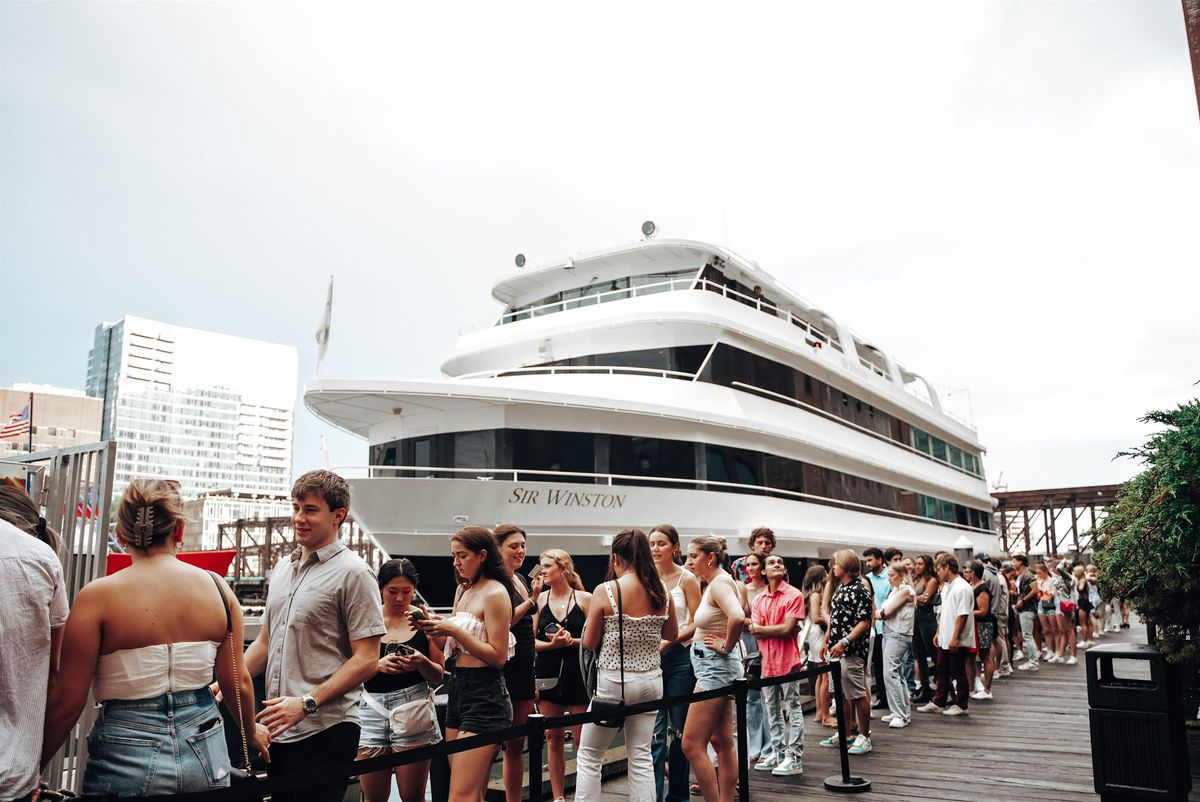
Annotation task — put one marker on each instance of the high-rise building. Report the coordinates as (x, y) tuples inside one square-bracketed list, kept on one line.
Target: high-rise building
[(57, 418), (210, 410)]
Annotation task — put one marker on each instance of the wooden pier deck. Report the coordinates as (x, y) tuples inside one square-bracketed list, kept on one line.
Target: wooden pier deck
[(1031, 743)]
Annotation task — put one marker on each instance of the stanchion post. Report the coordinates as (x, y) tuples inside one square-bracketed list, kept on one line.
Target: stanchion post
[(537, 740), (844, 784), (741, 692)]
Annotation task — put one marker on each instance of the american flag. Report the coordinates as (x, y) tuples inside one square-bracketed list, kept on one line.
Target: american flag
[(17, 424)]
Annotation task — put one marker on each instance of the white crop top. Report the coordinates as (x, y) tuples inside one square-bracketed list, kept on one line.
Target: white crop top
[(150, 671), (473, 625)]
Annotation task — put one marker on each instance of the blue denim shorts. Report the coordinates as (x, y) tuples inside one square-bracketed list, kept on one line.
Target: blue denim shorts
[(169, 744), (714, 670), (377, 731)]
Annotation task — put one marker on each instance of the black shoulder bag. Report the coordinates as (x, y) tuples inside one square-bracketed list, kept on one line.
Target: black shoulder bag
[(602, 703)]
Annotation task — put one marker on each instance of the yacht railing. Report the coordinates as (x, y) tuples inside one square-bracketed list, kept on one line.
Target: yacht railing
[(534, 370), (819, 337), (765, 306), (871, 366), (683, 283), (774, 396), (620, 479)]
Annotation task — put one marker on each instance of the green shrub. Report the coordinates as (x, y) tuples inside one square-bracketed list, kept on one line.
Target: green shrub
[(1148, 547)]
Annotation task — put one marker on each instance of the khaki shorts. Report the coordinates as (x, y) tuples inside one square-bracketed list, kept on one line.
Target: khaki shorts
[(854, 677)]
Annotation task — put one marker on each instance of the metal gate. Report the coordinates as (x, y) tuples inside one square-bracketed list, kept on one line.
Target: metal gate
[(73, 488)]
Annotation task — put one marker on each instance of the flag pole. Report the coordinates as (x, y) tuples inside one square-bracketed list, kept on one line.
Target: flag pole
[(323, 332), (31, 423)]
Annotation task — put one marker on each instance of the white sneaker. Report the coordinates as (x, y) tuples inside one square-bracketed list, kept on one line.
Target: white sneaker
[(985, 695), (1004, 671), (789, 767), (1071, 661), (954, 710), (1027, 667), (978, 685), (886, 719), (930, 707), (767, 763), (1018, 656), (898, 723)]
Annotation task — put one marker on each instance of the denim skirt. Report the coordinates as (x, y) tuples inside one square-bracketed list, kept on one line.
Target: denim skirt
[(169, 744), (714, 670)]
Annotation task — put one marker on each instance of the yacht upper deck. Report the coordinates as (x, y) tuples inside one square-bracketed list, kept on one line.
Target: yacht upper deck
[(657, 266)]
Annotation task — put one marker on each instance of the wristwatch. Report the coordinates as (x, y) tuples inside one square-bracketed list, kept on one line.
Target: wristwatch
[(310, 704)]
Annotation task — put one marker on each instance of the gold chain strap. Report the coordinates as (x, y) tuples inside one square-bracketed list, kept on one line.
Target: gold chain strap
[(237, 693)]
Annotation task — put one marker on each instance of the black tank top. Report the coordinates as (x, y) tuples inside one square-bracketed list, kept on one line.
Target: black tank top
[(386, 683), (549, 662), (522, 629)]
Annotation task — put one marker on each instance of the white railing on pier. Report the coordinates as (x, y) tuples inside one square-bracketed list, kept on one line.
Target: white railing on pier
[(621, 479)]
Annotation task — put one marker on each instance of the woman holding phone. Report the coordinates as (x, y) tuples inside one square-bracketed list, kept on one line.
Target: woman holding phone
[(562, 610), (410, 664), (477, 636)]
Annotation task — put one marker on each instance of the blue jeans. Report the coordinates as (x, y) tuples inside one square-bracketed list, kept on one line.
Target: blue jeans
[(758, 730), (678, 680), (786, 719), (169, 744)]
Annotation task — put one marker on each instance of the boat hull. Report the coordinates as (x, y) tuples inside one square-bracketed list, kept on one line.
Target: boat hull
[(415, 517)]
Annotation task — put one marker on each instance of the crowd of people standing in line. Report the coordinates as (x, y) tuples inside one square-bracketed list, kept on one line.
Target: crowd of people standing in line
[(350, 661)]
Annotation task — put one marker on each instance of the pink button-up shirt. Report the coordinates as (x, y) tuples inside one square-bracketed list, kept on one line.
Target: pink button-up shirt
[(779, 655)]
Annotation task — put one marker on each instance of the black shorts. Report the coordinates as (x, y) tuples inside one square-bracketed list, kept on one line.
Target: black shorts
[(518, 676), (478, 701)]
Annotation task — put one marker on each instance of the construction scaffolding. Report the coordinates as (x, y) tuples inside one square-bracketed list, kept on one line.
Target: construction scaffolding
[(1028, 520), (261, 543)]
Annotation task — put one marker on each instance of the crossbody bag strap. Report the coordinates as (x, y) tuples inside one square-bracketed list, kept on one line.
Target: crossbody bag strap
[(621, 638), (237, 677), (616, 605), (374, 705)]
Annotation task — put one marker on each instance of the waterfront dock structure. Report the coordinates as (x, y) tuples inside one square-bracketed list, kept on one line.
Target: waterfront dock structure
[(1032, 743)]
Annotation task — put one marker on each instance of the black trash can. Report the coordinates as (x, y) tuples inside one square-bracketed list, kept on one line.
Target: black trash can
[(1139, 746)]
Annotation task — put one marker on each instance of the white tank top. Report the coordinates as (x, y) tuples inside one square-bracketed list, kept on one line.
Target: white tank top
[(682, 614), (150, 671)]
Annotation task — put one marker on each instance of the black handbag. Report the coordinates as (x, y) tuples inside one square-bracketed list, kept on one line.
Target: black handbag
[(602, 703)]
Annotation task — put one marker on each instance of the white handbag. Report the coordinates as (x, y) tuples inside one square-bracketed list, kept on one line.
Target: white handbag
[(408, 719)]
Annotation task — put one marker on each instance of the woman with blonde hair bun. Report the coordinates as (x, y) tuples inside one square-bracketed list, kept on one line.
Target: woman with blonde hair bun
[(145, 642), (561, 613)]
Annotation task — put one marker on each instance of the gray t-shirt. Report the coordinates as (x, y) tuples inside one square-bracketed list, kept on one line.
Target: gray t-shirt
[(314, 611), (34, 602)]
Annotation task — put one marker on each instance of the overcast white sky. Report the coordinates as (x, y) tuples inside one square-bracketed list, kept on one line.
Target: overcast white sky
[(1004, 195)]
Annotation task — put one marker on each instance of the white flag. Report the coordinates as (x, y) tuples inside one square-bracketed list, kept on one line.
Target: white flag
[(323, 332)]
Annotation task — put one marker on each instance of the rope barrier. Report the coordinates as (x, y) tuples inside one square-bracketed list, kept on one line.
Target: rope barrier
[(535, 730)]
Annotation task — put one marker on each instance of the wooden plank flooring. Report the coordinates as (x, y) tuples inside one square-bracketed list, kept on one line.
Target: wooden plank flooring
[(1031, 742)]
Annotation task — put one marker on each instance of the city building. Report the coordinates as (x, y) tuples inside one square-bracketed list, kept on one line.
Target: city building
[(58, 418), (206, 513), (210, 410)]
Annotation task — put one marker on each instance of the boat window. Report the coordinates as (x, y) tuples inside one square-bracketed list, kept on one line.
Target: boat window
[(729, 365), (546, 454)]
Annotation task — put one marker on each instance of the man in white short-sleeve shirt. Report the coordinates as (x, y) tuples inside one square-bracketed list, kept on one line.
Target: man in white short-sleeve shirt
[(32, 615), (955, 639)]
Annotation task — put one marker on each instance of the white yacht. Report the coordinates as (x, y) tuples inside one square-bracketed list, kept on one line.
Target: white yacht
[(664, 381)]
